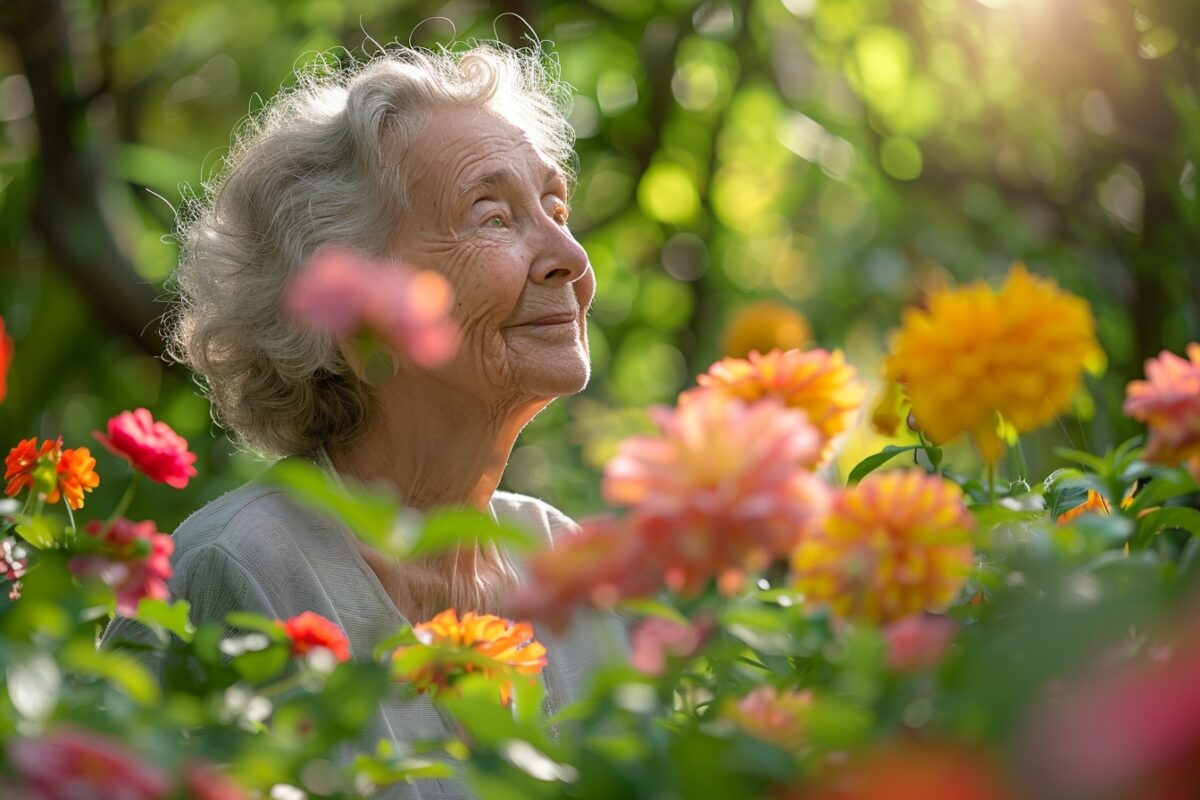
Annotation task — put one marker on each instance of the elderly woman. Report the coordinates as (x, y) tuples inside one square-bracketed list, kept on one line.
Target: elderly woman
[(456, 163)]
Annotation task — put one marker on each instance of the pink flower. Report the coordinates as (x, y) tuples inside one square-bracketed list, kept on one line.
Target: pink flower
[(133, 559), (6, 351), (150, 447), (723, 486), (656, 638), (74, 764), (14, 562), (918, 642), (202, 781), (1134, 727), (1168, 401), (342, 293), (597, 567), (778, 717)]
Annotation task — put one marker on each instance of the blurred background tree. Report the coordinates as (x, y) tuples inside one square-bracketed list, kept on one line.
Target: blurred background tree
[(837, 158)]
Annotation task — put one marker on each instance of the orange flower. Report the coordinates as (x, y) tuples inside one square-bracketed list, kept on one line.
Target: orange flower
[(22, 462), (774, 716), (979, 357), (1095, 504), (309, 631), (76, 475), (894, 545), (497, 647), (764, 326), (51, 471), (1168, 401), (817, 382)]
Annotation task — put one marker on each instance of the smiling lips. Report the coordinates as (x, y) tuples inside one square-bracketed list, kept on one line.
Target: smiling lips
[(553, 319)]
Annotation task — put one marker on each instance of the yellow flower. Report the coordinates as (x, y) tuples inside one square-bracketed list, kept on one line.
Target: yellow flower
[(978, 357), (493, 645), (896, 544), (764, 326), (817, 382), (888, 410)]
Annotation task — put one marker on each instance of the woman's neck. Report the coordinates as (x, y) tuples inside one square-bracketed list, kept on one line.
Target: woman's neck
[(436, 449)]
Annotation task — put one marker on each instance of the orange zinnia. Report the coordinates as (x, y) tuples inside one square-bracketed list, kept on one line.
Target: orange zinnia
[(23, 459), (66, 473), (818, 382), (1095, 504), (503, 647)]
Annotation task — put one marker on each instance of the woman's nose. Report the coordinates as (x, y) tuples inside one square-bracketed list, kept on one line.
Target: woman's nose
[(560, 259)]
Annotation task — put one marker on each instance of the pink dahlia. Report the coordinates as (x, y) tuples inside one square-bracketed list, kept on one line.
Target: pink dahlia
[(1168, 401), (132, 558), (722, 487), (343, 293), (73, 764), (150, 447)]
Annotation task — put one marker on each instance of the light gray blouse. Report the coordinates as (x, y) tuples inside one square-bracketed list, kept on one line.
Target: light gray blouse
[(255, 550)]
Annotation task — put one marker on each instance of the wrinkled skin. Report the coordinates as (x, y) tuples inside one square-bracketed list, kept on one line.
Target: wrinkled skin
[(487, 211)]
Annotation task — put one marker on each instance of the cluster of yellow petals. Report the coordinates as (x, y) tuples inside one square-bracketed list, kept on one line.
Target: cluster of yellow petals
[(509, 645), (763, 326), (1168, 401), (65, 474), (978, 357), (818, 382), (896, 544)]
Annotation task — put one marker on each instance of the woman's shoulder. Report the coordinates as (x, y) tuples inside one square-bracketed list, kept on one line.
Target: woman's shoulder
[(536, 515)]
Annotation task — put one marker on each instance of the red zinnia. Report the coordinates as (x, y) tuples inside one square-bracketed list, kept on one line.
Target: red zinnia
[(151, 447), (309, 631)]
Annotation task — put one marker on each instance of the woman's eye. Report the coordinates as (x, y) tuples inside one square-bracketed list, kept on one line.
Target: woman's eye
[(494, 221)]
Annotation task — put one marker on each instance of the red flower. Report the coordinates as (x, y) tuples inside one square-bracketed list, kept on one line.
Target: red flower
[(342, 293), (6, 351), (1168, 401), (151, 447), (72, 764), (911, 771), (51, 471), (308, 631), (134, 559)]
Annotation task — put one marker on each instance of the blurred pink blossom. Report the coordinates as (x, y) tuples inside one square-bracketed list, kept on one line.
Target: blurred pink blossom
[(1168, 401), (74, 764), (918, 642), (656, 638), (133, 558), (343, 293)]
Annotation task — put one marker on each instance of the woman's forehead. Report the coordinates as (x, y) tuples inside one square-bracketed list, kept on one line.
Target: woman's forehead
[(467, 149)]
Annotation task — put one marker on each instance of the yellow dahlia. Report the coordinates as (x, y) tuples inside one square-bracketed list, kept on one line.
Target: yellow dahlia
[(817, 382), (764, 326), (1168, 401), (497, 647), (978, 357), (896, 544)]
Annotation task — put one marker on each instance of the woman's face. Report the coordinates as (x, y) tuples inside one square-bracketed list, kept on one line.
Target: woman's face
[(490, 214)]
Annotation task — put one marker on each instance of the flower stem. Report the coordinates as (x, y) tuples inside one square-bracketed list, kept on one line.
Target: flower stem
[(126, 499), (991, 479)]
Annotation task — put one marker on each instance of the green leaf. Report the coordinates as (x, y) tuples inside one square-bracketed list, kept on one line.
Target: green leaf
[(37, 532), (258, 666), (1166, 486), (447, 529), (172, 617), (1177, 517), (873, 462), (383, 771), (648, 607), (120, 670), (246, 621), (372, 515)]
